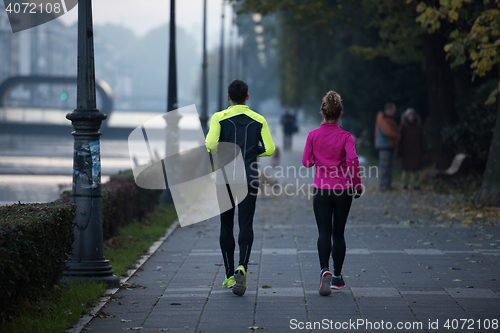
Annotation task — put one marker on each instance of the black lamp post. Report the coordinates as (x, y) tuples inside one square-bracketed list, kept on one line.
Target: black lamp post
[(87, 261), (221, 61), (172, 116), (204, 93)]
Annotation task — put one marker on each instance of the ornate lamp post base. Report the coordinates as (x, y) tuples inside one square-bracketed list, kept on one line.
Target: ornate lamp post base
[(92, 270), (87, 261)]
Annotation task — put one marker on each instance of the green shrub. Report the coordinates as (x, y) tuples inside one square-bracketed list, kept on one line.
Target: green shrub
[(147, 200), (122, 202), (35, 243)]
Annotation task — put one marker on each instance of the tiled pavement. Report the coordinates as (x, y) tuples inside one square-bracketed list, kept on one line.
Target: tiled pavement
[(395, 273), (420, 275)]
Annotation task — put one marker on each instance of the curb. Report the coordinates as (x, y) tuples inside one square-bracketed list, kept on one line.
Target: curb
[(86, 318)]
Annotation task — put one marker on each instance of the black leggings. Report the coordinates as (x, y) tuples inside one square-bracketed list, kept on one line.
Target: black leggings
[(246, 210), (331, 208)]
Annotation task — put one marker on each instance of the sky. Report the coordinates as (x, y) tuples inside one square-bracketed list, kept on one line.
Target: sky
[(142, 16)]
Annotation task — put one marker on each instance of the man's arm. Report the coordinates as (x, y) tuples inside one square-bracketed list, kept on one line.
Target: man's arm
[(212, 139), (267, 140)]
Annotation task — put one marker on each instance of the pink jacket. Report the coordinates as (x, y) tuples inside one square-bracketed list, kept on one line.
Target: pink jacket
[(333, 152)]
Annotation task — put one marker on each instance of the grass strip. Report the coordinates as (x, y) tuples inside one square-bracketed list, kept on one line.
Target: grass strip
[(135, 238), (57, 310), (66, 302)]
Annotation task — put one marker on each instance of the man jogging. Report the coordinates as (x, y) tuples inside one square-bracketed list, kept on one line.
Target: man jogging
[(250, 132)]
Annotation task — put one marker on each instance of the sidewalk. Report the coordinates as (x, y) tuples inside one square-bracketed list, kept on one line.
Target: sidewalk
[(403, 265)]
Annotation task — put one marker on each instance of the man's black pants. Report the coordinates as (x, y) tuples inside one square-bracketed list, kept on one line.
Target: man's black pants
[(246, 210)]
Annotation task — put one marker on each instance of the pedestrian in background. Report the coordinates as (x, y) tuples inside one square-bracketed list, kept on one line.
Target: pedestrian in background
[(332, 151), (411, 147), (386, 134), (288, 121)]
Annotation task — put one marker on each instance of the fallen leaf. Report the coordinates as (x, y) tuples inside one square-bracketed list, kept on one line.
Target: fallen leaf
[(175, 304), (157, 329), (266, 286), (125, 321), (102, 314), (458, 280)]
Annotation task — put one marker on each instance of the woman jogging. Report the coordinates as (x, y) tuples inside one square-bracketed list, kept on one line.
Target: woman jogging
[(332, 151)]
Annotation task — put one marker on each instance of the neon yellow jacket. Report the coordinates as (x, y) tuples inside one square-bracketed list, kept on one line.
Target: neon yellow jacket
[(245, 128)]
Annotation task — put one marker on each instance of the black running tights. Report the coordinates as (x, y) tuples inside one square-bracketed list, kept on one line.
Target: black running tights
[(246, 210), (331, 208)]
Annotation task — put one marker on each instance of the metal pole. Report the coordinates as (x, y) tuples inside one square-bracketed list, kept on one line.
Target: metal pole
[(172, 116), (221, 61), (172, 63), (204, 88), (87, 261), (231, 46)]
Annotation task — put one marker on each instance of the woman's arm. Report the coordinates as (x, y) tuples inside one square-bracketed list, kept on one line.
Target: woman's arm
[(308, 157), (353, 162)]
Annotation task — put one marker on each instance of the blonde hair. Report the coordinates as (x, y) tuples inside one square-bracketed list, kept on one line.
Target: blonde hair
[(332, 107)]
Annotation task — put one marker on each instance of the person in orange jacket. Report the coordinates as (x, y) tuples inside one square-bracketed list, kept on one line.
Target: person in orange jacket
[(386, 135)]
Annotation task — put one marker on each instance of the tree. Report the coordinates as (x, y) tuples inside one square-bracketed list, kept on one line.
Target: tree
[(377, 29), (476, 38)]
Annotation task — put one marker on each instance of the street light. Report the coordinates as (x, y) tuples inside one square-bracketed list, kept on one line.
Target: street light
[(257, 17), (87, 261), (221, 60), (204, 93), (172, 116)]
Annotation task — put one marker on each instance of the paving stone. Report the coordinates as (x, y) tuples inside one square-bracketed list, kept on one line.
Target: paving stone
[(390, 273)]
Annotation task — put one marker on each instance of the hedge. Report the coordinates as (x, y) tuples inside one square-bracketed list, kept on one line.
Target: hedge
[(35, 243), (122, 202), (36, 239)]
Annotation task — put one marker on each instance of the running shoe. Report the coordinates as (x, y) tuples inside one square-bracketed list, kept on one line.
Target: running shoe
[(324, 283), (229, 282), (338, 283), (240, 275)]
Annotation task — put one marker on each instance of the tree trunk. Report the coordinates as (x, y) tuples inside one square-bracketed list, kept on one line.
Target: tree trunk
[(440, 95), (490, 189)]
